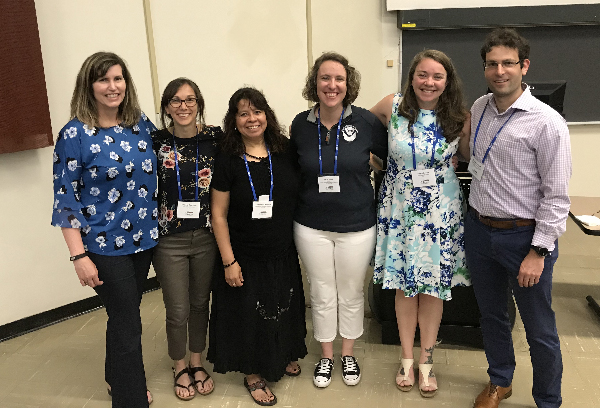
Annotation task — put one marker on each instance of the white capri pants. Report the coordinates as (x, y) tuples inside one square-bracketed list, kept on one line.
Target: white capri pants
[(336, 264)]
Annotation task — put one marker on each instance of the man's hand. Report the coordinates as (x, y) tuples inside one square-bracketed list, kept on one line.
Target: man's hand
[(530, 270)]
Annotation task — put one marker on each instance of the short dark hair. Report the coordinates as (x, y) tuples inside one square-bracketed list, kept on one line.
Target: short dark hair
[(274, 134), (450, 110), (168, 94), (352, 78), (507, 37)]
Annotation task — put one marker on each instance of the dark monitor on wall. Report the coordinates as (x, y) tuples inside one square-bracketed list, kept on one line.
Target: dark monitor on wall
[(550, 92)]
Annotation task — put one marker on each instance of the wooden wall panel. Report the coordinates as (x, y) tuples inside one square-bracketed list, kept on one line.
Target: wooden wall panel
[(24, 112)]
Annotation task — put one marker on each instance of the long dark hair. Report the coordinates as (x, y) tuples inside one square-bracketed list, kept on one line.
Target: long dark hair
[(274, 134), (170, 91), (450, 110)]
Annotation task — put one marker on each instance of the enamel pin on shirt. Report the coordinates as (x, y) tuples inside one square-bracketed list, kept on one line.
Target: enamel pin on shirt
[(262, 207), (329, 183), (186, 209), (477, 167)]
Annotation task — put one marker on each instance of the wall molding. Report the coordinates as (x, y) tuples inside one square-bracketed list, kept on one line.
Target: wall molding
[(60, 314)]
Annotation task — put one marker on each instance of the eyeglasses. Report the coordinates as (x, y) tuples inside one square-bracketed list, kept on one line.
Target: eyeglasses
[(504, 64), (189, 102)]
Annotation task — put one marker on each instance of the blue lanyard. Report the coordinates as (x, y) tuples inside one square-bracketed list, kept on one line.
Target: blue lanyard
[(495, 137), (337, 143), (177, 167), (250, 176), (412, 135)]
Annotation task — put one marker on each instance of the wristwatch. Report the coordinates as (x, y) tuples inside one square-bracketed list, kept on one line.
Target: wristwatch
[(543, 252)]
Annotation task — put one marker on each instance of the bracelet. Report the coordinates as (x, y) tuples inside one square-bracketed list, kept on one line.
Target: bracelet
[(76, 257), (229, 264)]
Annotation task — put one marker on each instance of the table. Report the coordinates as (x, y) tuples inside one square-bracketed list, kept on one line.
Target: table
[(586, 206)]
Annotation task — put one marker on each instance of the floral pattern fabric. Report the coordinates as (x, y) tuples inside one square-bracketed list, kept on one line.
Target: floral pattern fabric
[(420, 243), (105, 185), (205, 146)]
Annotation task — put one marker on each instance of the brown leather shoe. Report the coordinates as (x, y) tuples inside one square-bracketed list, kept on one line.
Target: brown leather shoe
[(491, 396)]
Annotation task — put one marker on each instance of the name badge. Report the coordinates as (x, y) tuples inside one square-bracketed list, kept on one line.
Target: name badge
[(423, 178), (476, 168), (329, 184), (188, 209), (263, 208)]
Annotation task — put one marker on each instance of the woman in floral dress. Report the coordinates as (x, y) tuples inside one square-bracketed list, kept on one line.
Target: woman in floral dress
[(185, 254), (420, 248)]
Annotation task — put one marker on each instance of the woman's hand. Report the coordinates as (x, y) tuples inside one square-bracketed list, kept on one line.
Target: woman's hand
[(233, 275), (87, 272)]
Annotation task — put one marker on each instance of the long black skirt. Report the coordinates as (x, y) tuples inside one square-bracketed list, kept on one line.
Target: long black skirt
[(260, 327)]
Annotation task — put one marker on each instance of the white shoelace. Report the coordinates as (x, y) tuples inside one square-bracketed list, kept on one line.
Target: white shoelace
[(325, 366), (350, 365)]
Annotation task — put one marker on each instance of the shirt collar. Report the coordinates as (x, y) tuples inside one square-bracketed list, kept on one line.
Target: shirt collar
[(312, 114), (525, 102)]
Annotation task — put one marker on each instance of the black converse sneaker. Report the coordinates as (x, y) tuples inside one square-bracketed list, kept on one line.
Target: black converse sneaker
[(350, 370), (322, 376)]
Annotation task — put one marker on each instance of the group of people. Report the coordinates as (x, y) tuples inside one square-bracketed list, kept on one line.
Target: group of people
[(128, 195)]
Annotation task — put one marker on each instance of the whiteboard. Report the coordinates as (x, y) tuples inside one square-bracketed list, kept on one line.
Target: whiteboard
[(442, 4)]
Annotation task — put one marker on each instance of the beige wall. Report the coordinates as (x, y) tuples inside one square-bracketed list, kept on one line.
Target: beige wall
[(220, 45)]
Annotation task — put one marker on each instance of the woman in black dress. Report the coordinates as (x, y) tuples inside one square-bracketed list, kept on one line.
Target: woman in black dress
[(257, 324)]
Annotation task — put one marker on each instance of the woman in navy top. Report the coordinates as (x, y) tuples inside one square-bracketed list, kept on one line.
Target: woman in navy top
[(105, 204), (334, 227)]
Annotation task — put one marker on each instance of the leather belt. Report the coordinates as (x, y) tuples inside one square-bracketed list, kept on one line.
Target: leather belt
[(502, 224)]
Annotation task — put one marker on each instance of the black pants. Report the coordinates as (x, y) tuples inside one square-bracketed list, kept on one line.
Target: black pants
[(121, 293)]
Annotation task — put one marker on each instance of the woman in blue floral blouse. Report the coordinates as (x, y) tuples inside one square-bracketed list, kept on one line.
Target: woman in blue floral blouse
[(105, 204), (184, 257)]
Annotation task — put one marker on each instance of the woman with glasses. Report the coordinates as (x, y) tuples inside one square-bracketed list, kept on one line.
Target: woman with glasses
[(104, 202), (420, 249), (257, 323), (184, 256)]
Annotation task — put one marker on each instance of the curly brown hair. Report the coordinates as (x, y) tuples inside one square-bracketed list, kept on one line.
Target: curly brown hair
[(509, 38), (450, 110), (170, 90), (83, 102), (352, 78), (274, 134)]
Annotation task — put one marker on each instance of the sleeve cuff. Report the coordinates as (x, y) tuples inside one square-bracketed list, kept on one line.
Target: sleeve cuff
[(544, 241)]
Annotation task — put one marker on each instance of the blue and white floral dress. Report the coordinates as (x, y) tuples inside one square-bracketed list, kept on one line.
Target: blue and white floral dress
[(420, 245)]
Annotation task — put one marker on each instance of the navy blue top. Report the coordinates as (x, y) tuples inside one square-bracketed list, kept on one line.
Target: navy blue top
[(353, 208), (105, 184)]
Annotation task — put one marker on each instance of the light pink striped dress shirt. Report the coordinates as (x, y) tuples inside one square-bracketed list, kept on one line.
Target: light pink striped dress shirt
[(528, 168)]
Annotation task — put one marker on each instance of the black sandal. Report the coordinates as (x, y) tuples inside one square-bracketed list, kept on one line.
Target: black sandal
[(193, 371), (260, 385), (185, 387), (293, 373)]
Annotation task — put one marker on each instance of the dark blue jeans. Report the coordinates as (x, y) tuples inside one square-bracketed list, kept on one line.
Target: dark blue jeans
[(494, 257), (121, 293)]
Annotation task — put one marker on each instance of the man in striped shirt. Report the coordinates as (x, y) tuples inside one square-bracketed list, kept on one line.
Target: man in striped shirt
[(521, 165)]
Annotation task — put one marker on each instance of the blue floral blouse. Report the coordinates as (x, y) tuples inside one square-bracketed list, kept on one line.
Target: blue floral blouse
[(105, 185)]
